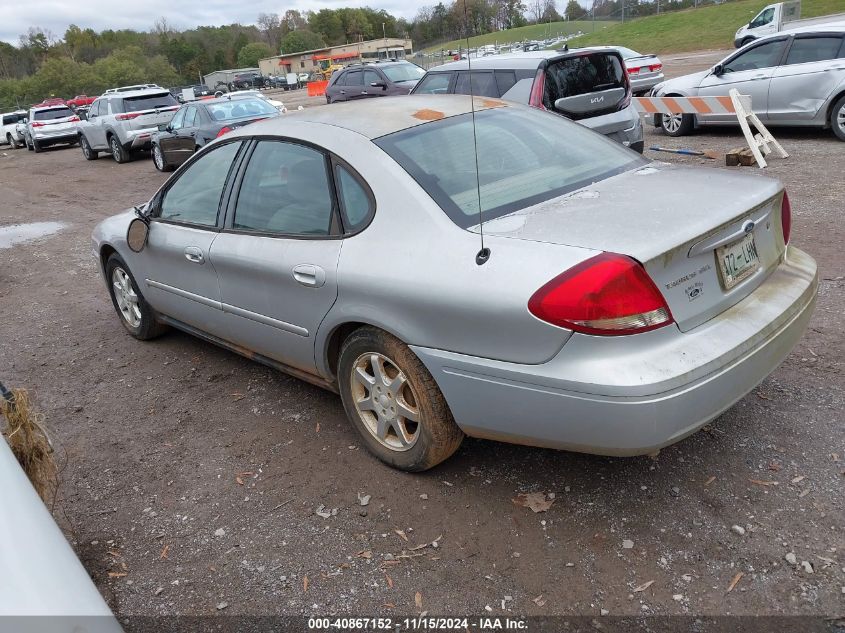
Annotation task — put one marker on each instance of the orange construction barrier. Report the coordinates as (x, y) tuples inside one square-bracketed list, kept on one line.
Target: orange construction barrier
[(317, 88)]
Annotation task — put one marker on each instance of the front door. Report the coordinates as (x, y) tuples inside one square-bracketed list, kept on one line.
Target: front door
[(807, 79), (176, 146), (179, 279), (750, 72), (276, 258)]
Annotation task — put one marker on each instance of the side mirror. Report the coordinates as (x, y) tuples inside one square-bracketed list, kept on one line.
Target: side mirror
[(718, 70), (379, 84), (136, 234), (164, 127)]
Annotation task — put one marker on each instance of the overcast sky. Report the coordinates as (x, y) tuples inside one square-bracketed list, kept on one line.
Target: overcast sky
[(56, 15)]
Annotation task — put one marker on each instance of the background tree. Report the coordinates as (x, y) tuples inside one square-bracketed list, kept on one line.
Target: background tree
[(574, 11), (296, 41), (249, 55)]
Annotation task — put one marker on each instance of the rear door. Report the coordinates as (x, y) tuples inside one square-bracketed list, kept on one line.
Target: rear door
[(277, 256), (750, 72), (813, 68)]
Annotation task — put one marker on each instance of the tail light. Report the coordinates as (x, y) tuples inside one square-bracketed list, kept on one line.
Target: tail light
[(655, 67), (73, 119), (634, 71), (535, 99), (223, 130), (127, 116), (786, 217), (38, 124), (608, 294)]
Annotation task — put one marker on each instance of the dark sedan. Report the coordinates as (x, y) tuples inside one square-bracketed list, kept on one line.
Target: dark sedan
[(198, 122)]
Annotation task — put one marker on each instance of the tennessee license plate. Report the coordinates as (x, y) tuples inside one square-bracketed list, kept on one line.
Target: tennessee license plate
[(737, 261)]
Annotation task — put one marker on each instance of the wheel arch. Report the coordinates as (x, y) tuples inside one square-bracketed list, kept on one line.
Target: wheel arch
[(106, 251), (840, 92), (330, 341)]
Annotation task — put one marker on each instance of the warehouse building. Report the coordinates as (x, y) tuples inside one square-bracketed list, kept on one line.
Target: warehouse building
[(308, 61), (225, 76)]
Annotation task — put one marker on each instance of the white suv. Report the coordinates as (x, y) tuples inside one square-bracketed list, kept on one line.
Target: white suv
[(125, 120), (50, 125), (9, 128)]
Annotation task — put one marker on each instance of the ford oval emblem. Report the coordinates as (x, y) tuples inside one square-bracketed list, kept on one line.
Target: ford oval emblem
[(748, 226)]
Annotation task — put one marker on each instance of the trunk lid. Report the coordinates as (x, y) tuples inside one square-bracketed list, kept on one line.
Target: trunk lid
[(678, 222), (148, 110)]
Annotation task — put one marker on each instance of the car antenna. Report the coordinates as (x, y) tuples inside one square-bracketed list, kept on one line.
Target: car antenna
[(484, 254)]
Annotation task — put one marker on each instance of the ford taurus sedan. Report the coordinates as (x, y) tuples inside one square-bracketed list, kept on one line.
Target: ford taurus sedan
[(794, 78), (616, 305)]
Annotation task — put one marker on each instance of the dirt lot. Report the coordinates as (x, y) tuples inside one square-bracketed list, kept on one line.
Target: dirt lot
[(197, 473)]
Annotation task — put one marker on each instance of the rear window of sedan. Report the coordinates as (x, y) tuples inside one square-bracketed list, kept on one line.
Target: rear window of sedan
[(525, 156), (240, 108), (53, 114)]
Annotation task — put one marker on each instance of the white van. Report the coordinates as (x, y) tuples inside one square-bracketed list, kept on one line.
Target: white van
[(778, 17)]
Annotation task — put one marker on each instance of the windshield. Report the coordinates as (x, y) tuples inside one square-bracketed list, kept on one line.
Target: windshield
[(525, 157), (149, 102), (53, 113), (240, 108), (403, 72)]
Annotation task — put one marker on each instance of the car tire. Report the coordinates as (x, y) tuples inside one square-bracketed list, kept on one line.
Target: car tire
[(159, 161), (376, 366), (36, 147), (27, 143), (135, 314), (12, 143), (677, 124), (87, 152), (118, 153), (837, 118), (747, 40)]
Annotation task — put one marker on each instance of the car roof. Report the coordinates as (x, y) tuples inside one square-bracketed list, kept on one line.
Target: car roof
[(374, 118), (124, 94), (837, 27), (55, 106), (530, 59)]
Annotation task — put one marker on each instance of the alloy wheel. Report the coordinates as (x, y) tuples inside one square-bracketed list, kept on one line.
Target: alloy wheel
[(158, 158), (672, 122), (385, 401), (840, 118), (126, 297), (115, 149)]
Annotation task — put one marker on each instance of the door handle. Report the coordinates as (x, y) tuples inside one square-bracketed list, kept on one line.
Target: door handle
[(309, 275), (343, 92), (194, 255)]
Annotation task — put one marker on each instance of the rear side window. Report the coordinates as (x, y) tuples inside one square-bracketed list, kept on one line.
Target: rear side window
[(370, 77), (149, 102), (434, 84), (505, 80), (354, 200), (53, 114), (580, 75), (483, 84), (813, 49), (354, 78)]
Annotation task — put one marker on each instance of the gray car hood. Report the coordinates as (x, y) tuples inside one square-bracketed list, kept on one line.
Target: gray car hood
[(683, 84), (642, 213)]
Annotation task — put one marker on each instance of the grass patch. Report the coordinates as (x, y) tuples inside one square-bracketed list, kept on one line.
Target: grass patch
[(711, 27)]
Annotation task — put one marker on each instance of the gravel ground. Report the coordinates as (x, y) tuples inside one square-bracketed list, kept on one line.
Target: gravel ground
[(191, 477)]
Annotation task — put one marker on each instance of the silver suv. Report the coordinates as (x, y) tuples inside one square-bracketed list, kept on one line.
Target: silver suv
[(50, 125), (122, 121), (588, 86)]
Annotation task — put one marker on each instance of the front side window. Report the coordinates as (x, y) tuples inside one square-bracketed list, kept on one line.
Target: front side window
[(765, 55), (190, 117), (195, 196), (434, 84), (813, 49), (525, 157), (371, 77), (403, 72), (178, 119), (285, 190), (763, 18)]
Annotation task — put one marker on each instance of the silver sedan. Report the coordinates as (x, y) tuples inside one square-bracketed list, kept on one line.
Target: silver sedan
[(612, 305)]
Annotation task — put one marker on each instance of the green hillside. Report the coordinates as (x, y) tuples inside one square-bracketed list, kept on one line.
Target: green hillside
[(530, 32), (710, 27)]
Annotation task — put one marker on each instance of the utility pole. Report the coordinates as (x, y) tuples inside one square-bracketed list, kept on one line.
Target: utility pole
[(623, 11)]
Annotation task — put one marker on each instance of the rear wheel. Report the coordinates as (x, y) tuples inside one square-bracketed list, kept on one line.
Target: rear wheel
[(677, 124), (135, 313), (11, 141), (394, 403), (837, 118), (36, 147), (119, 154), (159, 160), (87, 152)]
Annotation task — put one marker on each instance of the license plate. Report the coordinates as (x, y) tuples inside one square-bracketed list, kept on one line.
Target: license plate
[(737, 261)]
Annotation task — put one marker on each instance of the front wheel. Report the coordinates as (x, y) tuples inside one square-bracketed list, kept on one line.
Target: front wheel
[(677, 124), (837, 118), (135, 313), (394, 403), (87, 152)]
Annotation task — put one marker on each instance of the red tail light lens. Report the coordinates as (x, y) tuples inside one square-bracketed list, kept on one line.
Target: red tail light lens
[(786, 217), (633, 71), (535, 99), (38, 124), (73, 119), (655, 67), (127, 116), (608, 294), (224, 130)]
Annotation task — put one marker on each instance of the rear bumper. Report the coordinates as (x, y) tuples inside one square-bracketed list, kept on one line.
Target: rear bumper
[(646, 83), (50, 139), (624, 127), (140, 139), (632, 395)]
